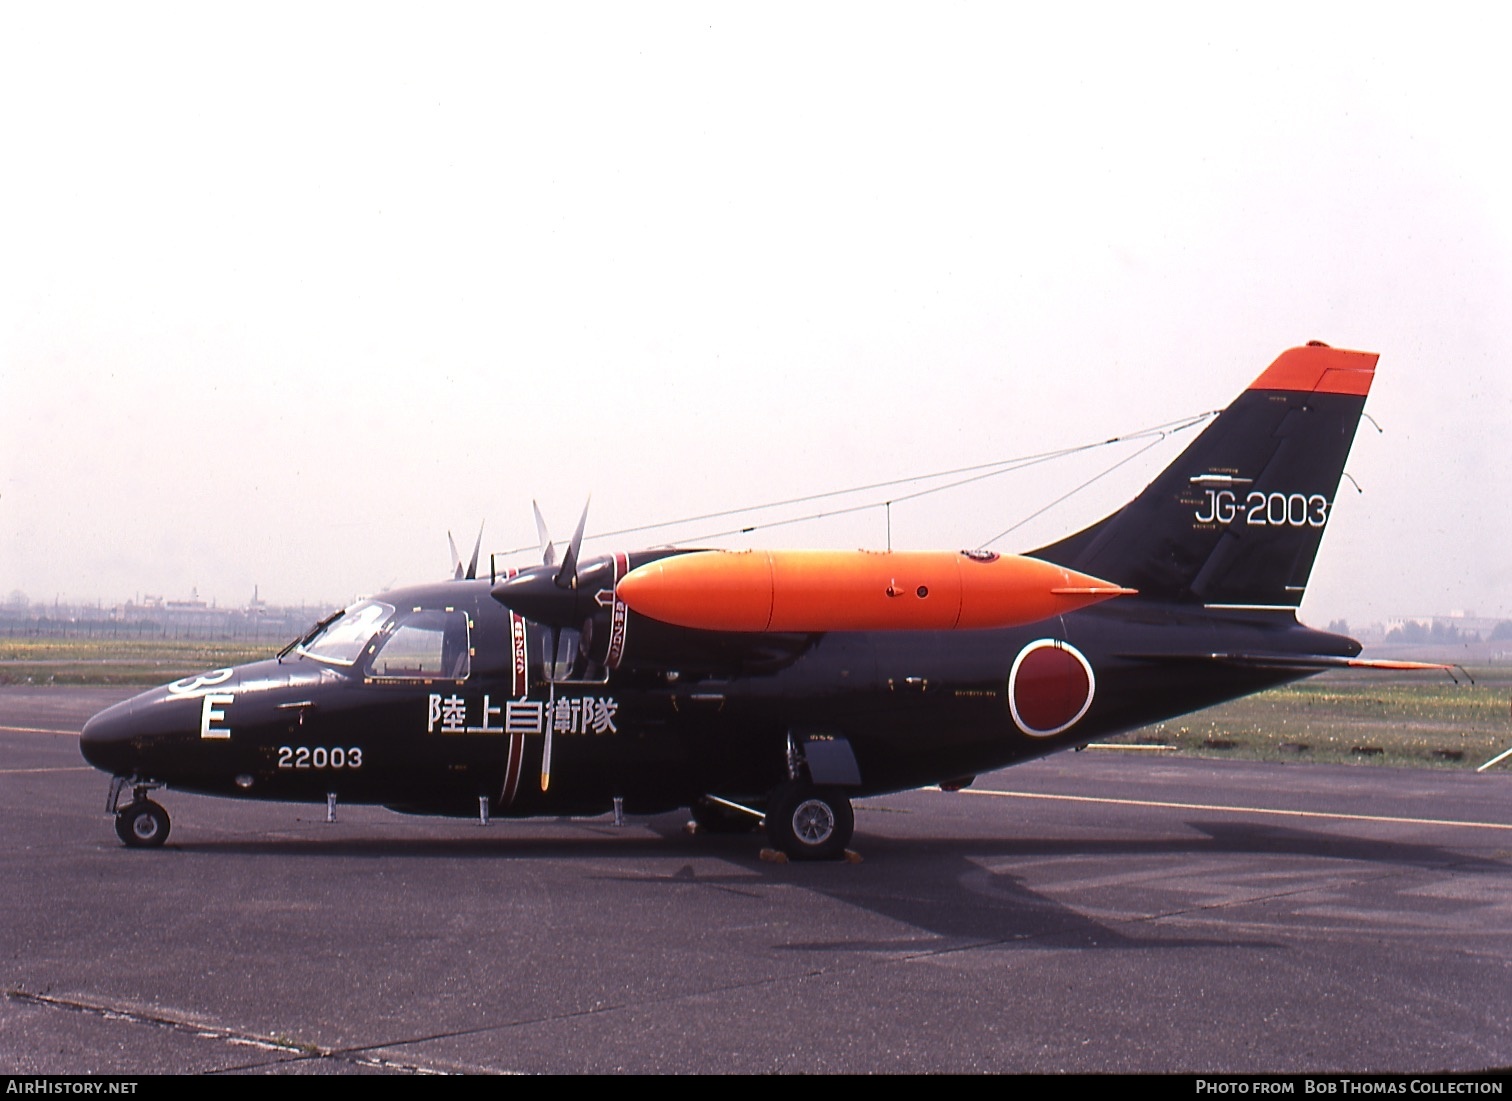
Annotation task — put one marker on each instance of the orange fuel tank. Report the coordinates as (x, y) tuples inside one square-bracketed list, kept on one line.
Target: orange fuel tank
[(808, 590)]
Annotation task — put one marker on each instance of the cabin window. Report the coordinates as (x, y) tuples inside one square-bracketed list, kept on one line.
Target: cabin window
[(427, 644)]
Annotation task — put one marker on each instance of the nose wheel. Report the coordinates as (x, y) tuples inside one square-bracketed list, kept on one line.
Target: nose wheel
[(142, 824)]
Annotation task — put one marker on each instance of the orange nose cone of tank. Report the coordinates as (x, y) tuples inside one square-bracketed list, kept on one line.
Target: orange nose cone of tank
[(856, 590), (713, 590)]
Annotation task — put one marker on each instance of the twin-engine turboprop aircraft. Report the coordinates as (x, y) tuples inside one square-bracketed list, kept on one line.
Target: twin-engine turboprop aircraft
[(777, 686)]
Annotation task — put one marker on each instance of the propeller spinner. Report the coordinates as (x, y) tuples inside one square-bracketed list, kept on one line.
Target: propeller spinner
[(549, 593)]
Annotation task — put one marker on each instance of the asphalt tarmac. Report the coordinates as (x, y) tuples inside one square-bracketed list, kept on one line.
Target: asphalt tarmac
[(1092, 912)]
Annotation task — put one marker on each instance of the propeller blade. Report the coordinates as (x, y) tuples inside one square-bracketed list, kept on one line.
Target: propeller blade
[(551, 664), (546, 748), (457, 558), (566, 577), (472, 567), (548, 550)]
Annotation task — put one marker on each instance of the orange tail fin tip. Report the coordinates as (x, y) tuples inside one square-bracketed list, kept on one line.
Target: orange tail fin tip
[(1321, 370)]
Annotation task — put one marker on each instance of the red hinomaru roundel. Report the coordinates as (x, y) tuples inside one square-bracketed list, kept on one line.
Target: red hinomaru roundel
[(1049, 687)]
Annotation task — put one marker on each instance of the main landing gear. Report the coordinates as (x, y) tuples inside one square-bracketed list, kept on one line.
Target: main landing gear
[(719, 816), (804, 820), (141, 823), (809, 822)]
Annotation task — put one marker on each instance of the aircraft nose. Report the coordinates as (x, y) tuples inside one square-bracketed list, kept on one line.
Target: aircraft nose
[(107, 741), (150, 734)]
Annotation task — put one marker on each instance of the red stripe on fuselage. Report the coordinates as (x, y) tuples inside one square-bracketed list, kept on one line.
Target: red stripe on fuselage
[(618, 615), (520, 682)]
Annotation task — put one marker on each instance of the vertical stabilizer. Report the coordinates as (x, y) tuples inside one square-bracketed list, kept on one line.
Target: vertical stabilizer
[(1236, 520)]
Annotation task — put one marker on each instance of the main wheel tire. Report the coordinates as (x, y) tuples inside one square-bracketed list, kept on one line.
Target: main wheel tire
[(808, 822), (718, 818), (142, 825)]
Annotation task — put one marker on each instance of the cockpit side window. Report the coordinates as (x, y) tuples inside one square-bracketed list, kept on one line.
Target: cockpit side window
[(343, 639), (424, 644)]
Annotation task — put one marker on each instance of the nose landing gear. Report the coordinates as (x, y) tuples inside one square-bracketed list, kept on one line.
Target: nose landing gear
[(141, 823)]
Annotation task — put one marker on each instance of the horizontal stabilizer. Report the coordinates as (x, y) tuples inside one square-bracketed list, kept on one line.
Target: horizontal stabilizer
[(1309, 663)]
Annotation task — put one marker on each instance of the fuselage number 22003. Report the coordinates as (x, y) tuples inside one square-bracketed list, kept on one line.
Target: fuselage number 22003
[(1262, 510)]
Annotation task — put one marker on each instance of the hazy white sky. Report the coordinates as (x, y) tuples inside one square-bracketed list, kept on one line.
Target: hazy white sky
[(289, 290)]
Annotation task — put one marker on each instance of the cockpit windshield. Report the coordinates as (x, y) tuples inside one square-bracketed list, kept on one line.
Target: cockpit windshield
[(341, 641)]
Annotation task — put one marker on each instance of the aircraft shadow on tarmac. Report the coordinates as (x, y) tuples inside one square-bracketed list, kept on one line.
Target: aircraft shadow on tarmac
[(668, 837), (924, 886), (947, 889)]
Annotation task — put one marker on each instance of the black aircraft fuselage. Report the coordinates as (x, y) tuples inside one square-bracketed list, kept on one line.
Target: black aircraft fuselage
[(541, 692)]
